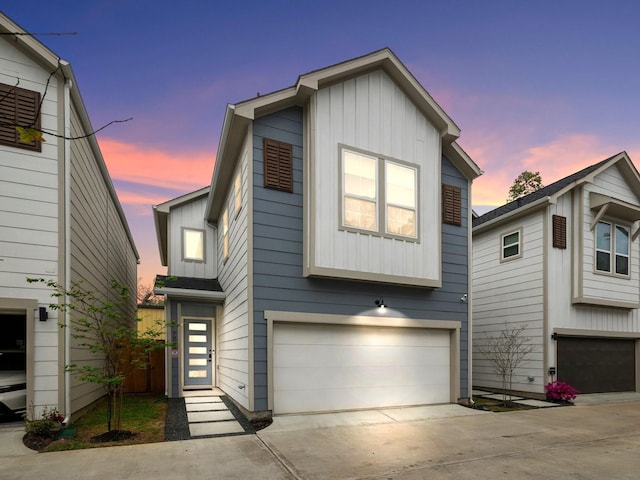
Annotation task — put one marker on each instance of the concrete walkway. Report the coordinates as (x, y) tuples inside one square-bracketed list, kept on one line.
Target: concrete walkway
[(208, 415), (585, 441)]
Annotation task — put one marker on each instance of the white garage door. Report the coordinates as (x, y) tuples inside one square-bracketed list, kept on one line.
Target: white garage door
[(329, 367)]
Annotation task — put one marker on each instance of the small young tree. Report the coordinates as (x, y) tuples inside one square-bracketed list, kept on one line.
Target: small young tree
[(525, 183), (102, 325), (506, 352)]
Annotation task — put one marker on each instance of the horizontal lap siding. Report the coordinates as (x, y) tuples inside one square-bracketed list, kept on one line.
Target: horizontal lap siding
[(100, 248), (277, 253), (233, 326), (509, 295)]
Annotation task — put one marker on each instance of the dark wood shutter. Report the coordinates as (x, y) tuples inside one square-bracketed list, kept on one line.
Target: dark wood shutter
[(451, 205), (559, 231), (18, 107), (278, 165)]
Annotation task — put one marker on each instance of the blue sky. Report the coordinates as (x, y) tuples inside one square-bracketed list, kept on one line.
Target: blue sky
[(549, 86)]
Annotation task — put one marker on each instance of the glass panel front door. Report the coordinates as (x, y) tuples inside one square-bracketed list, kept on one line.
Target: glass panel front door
[(198, 359)]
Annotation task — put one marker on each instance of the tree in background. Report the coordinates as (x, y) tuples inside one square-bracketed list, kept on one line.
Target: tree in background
[(102, 325), (525, 183)]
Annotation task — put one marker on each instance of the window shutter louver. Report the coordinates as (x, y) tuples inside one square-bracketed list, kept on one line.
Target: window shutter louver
[(451, 205), (278, 165), (18, 107), (559, 231)]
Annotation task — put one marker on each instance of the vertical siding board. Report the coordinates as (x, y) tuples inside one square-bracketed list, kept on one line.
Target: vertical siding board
[(278, 281)]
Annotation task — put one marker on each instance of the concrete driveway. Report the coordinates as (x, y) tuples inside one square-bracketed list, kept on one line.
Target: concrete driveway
[(587, 442)]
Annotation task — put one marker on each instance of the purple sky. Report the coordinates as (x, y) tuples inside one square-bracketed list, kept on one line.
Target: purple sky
[(549, 86)]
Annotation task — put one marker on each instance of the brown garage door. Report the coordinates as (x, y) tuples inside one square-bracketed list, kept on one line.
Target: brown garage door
[(595, 365)]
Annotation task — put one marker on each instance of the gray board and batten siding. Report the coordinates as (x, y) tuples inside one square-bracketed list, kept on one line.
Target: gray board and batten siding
[(278, 281)]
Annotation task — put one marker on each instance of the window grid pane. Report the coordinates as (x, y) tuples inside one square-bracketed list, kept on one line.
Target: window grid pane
[(511, 245), (401, 221), (193, 245)]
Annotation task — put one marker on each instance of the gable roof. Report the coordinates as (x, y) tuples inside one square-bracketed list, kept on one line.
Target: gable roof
[(161, 215), (239, 116), (28, 44), (551, 192)]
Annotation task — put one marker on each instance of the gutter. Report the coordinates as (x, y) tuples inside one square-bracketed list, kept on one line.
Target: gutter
[(191, 293), (68, 84)]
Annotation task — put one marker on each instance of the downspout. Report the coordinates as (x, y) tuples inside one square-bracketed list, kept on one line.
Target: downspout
[(67, 245)]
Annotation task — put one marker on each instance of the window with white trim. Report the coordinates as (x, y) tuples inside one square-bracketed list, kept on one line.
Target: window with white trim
[(511, 245), (379, 195), (612, 248), (225, 234), (192, 245), (237, 193)]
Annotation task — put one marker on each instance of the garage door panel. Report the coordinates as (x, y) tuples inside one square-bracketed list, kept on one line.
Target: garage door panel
[(595, 365), (325, 400), (357, 355), (327, 368)]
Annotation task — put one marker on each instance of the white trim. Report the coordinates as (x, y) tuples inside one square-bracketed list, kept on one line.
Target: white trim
[(190, 293)]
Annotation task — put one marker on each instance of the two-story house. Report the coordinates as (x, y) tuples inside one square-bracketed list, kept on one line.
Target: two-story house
[(60, 219), (564, 263), (326, 267)]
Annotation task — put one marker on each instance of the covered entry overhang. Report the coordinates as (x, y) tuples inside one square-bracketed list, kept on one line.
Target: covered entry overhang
[(323, 363), (192, 306)]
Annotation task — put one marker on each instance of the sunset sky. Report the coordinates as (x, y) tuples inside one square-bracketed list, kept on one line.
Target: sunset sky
[(548, 86)]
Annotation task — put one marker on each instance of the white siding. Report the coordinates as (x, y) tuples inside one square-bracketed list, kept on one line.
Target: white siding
[(191, 215), (100, 249), (233, 327), (29, 208), (509, 293), (371, 113), (598, 286)]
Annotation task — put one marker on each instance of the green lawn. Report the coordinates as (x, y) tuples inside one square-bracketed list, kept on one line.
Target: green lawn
[(143, 415)]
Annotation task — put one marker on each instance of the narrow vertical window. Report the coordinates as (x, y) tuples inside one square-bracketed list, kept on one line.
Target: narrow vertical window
[(451, 205), (400, 196), (511, 247), (225, 234), (622, 250), (603, 247), (192, 245), (237, 193), (360, 184)]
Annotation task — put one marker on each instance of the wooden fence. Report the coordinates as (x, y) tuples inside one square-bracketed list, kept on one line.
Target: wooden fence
[(150, 379)]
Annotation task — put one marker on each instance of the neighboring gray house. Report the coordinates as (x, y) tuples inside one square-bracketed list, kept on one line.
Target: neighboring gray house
[(330, 200), (60, 219), (564, 262)]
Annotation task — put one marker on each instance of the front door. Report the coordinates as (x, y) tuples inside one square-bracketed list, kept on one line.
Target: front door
[(199, 353)]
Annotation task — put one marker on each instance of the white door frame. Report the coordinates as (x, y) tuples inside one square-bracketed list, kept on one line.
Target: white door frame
[(184, 353)]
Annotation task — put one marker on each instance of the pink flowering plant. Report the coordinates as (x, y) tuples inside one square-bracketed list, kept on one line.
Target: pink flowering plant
[(561, 392)]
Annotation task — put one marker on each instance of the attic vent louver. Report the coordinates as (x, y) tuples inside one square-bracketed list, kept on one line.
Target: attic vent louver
[(278, 165), (451, 205), (559, 231)]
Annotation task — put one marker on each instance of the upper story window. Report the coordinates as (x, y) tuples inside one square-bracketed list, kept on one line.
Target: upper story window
[(225, 234), (192, 245), (237, 193), (378, 195), (18, 108), (612, 248), (511, 245)]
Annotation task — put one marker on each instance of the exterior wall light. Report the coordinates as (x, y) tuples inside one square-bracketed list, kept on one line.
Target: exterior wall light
[(380, 303)]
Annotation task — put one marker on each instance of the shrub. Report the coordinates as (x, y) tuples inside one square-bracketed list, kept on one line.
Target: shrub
[(560, 391), (46, 426)]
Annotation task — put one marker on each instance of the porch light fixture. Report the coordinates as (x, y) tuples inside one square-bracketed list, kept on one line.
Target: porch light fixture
[(43, 314), (380, 303)]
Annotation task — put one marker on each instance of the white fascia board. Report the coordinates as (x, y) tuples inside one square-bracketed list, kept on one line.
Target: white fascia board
[(462, 161), (189, 293)]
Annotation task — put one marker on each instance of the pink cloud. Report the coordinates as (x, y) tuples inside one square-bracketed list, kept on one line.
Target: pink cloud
[(183, 171)]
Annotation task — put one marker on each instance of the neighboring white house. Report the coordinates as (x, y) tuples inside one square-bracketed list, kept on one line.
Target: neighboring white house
[(565, 262), (329, 199), (60, 218)]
